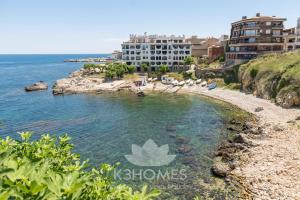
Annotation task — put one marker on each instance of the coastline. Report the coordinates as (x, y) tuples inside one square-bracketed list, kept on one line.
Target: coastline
[(268, 169)]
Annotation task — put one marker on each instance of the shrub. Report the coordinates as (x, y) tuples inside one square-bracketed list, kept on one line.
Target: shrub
[(131, 69), (89, 66), (188, 60), (222, 58), (253, 72), (47, 169), (163, 69), (145, 67), (110, 73)]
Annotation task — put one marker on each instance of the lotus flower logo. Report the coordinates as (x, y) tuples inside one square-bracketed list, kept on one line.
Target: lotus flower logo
[(150, 155)]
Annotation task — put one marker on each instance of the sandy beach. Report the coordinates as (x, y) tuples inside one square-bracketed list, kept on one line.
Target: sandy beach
[(271, 167)]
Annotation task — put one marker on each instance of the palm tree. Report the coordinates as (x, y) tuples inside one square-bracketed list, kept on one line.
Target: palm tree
[(163, 69)]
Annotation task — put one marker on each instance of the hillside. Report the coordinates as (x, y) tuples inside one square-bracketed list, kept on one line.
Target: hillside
[(273, 76)]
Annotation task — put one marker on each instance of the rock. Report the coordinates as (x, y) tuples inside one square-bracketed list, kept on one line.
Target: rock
[(297, 118), (182, 140), (58, 91), (172, 135), (171, 128), (188, 160), (234, 128), (97, 70), (37, 86), (278, 128), (288, 97), (248, 125), (240, 138), (140, 93), (184, 149), (258, 109), (220, 168)]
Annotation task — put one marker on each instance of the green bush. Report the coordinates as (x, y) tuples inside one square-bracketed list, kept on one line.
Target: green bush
[(89, 66), (145, 67), (163, 69), (48, 169), (131, 69), (253, 72), (221, 58), (188, 60)]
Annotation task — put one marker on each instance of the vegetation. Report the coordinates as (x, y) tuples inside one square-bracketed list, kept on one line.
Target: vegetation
[(188, 60), (163, 69), (101, 67), (269, 74), (253, 72), (232, 75), (131, 69), (47, 169), (177, 76), (145, 67), (221, 59)]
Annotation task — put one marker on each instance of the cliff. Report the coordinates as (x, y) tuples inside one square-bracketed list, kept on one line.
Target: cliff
[(273, 76)]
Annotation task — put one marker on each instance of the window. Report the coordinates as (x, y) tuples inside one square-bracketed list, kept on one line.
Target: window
[(251, 24), (268, 23), (276, 32), (268, 31), (252, 40), (250, 32)]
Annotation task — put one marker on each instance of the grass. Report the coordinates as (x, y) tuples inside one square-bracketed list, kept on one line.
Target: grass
[(130, 76), (274, 63), (271, 73), (177, 76)]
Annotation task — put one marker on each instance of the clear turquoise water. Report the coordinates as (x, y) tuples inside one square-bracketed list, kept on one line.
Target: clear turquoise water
[(103, 127)]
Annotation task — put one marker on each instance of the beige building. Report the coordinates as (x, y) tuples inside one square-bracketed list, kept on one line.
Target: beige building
[(117, 55), (292, 38), (200, 45)]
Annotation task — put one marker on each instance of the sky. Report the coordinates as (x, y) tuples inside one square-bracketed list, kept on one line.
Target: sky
[(100, 26)]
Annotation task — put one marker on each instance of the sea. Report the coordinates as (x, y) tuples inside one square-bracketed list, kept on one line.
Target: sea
[(106, 127)]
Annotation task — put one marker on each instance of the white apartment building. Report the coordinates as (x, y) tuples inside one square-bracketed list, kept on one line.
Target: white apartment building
[(156, 50)]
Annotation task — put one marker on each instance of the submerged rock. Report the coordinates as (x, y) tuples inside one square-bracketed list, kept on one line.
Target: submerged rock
[(182, 140), (220, 168), (37, 86), (184, 149), (140, 93)]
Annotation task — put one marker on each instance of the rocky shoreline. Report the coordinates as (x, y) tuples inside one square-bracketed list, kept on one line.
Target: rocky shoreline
[(262, 155)]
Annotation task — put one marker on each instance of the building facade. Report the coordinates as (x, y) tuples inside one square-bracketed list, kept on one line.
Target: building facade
[(116, 55), (155, 50), (289, 36), (215, 52), (297, 31), (200, 45), (251, 37)]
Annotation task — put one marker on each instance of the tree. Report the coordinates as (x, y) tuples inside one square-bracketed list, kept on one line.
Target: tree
[(222, 58), (145, 67), (131, 69), (120, 71), (163, 69), (188, 60), (47, 168), (110, 73)]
